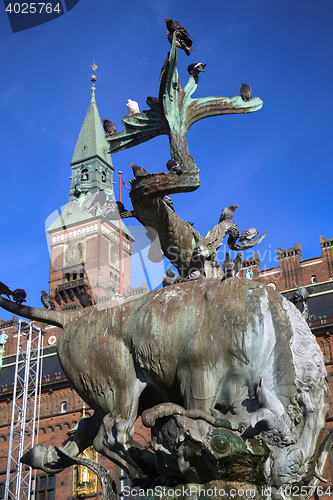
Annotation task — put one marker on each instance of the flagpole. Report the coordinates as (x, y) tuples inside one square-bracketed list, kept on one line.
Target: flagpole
[(120, 242)]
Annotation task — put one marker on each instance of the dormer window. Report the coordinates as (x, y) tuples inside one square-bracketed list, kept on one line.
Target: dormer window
[(103, 177), (84, 175), (314, 279), (63, 407)]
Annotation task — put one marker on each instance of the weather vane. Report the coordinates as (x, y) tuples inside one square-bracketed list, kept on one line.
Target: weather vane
[(93, 77)]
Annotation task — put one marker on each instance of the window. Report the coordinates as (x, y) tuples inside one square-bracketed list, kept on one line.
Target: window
[(103, 177), (63, 407), (84, 175), (313, 279), (45, 488), (2, 490)]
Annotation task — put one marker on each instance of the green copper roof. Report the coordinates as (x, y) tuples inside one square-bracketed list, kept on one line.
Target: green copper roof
[(91, 141), (77, 211)]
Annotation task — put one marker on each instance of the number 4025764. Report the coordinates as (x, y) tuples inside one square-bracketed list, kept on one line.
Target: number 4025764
[(33, 8)]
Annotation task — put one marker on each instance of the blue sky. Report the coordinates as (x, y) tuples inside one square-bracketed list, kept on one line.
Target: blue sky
[(275, 163)]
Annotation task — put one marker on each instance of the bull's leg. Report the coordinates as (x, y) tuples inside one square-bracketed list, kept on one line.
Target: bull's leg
[(48, 460)]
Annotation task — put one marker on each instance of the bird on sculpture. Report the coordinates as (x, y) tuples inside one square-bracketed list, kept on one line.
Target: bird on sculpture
[(174, 166), (84, 298), (248, 235), (169, 278), (168, 201), (4, 290), (47, 300), (153, 103), (228, 213), (183, 39), (109, 126), (132, 107), (19, 295), (246, 92), (198, 274), (238, 264), (228, 267), (164, 66), (138, 171), (195, 68)]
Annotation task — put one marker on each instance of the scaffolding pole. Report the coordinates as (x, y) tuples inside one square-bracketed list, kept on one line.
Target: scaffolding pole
[(24, 410)]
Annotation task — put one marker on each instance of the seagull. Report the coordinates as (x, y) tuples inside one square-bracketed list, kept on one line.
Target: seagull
[(228, 213), (246, 92), (109, 126), (19, 295), (248, 235), (164, 66), (198, 274), (4, 290), (183, 39), (138, 171), (174, 166), (195, 68), (132, 107), (153, 103), (47, 300), (169, 278)]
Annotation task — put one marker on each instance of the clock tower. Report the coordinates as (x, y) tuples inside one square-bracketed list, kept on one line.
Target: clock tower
[(84, 247)]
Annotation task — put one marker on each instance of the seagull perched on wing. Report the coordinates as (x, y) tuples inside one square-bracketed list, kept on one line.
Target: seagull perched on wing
[(4, 290), (138, 171), (248, 235), (183, 39), (174, 166), (47, 300), (132, 107), (228, 213), (195, 68), (153, 103), (246, 92), (109, 127), (19, 295)]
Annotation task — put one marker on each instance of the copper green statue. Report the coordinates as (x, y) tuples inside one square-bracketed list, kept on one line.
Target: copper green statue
[(225, 373)]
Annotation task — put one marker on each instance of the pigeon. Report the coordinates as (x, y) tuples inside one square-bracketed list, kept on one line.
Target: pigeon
[(238, 263), (169, 278), (168, 201), (248, 235), (228, 213), (138, 171), (183, 39), (174, 166), (153, 103), (164, 66), (198, 274), (47, 300), (132, 107), (246, 92), (4, 290), (19, 295), (109, 126), (195, 68), (228, 267), (84, 298)]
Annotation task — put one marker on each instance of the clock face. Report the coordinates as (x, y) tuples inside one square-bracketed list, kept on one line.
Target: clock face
[(74, 252), (114, 256)]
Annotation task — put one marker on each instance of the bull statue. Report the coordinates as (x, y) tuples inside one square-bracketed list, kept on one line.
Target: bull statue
[(227, 374)]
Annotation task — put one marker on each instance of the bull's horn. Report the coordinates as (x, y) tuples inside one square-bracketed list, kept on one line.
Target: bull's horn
[(48, 316), (319, 476), (150, 416), (264, 416)]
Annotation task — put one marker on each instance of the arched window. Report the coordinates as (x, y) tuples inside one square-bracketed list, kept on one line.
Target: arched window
[(63, 408), (84, 174), (103, 177), (313, 278)]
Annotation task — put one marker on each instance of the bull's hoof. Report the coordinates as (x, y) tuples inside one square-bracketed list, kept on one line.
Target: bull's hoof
[(46, 459)]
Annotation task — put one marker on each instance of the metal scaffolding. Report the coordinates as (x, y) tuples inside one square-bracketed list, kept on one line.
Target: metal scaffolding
[(25, 410)]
